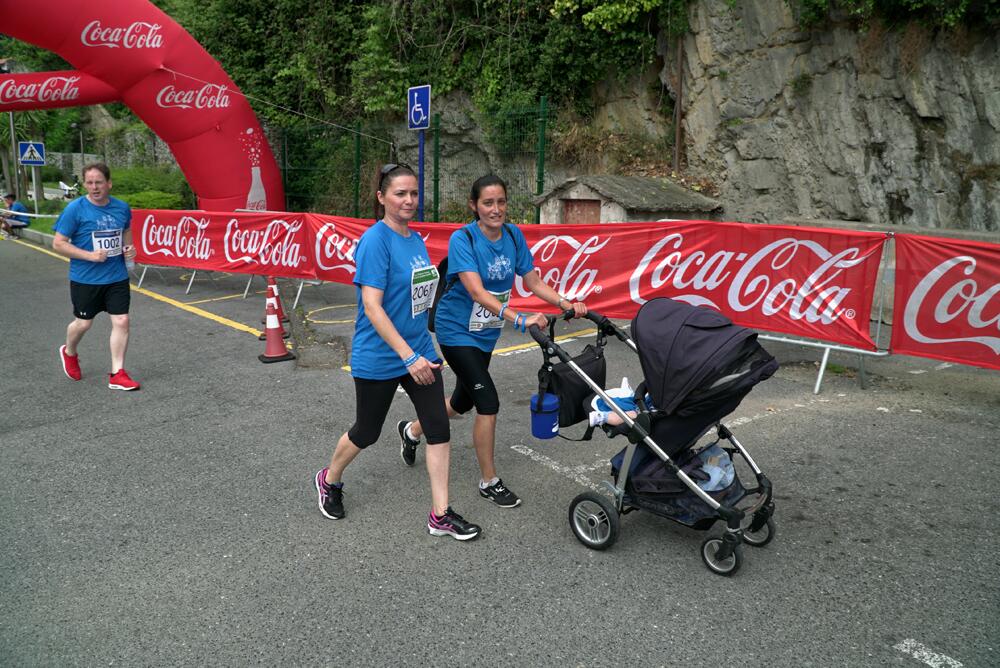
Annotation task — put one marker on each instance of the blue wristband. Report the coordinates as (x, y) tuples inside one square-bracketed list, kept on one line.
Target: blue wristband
[(411, 360), (503, 307)]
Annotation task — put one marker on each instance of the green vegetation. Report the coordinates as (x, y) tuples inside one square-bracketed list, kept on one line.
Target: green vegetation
[(152, 199), (152, 188)]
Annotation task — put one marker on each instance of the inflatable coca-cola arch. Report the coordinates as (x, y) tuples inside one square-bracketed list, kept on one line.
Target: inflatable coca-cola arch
[(129, 50)]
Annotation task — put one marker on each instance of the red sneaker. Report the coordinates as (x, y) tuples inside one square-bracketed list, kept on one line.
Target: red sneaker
[(71, 364), (121, 381)]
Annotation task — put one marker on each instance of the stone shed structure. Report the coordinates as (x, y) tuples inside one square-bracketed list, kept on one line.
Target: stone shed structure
[(587, 200)]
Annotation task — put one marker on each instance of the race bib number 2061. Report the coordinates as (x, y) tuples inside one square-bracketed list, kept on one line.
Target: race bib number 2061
[(423, 285)]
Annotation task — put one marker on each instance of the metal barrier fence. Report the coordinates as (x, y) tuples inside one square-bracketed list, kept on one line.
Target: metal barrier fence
[(329, 169)]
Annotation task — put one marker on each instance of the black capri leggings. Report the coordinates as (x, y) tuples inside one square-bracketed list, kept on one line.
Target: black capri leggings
[(373, 397), (474, 386)]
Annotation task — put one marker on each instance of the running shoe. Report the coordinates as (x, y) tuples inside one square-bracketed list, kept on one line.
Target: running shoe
[(331, 499), (120, 381), (500, 495), (451, 524), (407, 446), (71, 364)]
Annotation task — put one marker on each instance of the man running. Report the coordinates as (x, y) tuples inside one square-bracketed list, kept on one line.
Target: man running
[(94, 232)]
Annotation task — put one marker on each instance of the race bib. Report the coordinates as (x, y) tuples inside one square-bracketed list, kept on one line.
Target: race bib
[(423, 285), (481, 317), (108, 240)]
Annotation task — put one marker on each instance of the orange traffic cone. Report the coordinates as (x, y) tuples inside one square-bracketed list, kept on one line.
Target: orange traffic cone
[(275, 350), (272, 291), (277, 295), (272, 302)]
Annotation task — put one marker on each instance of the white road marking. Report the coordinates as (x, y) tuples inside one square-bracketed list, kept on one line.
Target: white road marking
[(574, 473), (923, 653)]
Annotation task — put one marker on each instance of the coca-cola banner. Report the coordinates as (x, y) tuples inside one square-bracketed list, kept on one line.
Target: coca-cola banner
[(155, 67), (947, 303), (810, 282), (49, 90), (273, 244)]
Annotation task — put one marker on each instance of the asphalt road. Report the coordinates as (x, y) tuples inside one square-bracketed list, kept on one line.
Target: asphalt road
[(178, 525)]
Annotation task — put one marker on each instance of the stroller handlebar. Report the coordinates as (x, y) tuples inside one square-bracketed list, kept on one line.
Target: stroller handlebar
[(539, 335)]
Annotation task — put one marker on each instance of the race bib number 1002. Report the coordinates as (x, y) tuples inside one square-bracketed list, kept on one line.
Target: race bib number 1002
[(108, 240)]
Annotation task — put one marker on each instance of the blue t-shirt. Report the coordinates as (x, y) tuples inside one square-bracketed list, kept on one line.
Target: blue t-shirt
[(460, 321), (401, 268), (82, 222), (20, 208)]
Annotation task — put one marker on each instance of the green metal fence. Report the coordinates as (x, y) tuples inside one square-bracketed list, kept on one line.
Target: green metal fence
[(328, 169)]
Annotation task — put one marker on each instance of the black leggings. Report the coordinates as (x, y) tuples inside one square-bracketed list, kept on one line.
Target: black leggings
[(473, 386), (372, 400)]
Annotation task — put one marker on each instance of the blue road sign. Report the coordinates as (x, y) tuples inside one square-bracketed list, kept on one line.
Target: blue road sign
[(418, 107), (31, 153)]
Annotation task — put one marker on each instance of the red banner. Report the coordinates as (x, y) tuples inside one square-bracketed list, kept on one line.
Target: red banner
[(809, 282), (48, 90), (273, 244), (947, 303)]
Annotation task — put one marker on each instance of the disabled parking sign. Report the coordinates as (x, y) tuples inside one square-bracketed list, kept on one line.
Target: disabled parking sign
[(418, 107)]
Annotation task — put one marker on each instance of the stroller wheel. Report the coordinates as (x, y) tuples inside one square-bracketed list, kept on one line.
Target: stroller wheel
[(727, 566), (594, 520), (758, 538)]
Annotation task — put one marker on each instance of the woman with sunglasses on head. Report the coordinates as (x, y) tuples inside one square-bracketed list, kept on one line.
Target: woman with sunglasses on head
[(483, 258), (391, 346)]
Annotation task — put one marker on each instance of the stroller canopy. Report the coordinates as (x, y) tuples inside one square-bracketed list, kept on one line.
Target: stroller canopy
[(681, 346)]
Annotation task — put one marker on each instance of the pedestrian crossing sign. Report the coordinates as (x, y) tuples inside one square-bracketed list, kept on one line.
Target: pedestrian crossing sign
[(31, 153)]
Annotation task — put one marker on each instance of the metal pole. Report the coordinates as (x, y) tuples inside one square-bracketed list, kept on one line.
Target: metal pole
[(677, 109), (420, 177), (284, 163), (540, 159), (13, 149), (357, 169), (437, 164)]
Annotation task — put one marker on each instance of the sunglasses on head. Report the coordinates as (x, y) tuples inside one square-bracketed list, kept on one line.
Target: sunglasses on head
[(389, 167)]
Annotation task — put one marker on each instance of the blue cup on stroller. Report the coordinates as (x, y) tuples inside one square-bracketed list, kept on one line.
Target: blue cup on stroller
[(544, 416)]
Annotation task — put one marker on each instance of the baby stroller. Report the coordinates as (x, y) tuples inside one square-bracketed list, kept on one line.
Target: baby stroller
[(697, 367)]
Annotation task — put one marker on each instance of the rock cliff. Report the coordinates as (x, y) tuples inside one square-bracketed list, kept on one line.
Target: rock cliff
[(890, 127)]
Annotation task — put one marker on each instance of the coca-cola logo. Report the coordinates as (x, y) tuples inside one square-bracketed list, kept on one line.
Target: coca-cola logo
[(962, 305), (334, 250), (184, 239), (53, 89), (209, 96), (759, 281), (138, 35), (575, 280), (274, 245)]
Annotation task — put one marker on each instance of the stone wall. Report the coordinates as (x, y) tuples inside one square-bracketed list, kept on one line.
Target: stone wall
[(887, 127)]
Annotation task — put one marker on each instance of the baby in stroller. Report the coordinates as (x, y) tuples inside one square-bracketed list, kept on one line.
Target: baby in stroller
[(697, 367)]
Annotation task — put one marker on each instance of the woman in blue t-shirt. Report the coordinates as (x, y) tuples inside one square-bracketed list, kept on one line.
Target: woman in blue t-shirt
[(483, 258), (391, 346)]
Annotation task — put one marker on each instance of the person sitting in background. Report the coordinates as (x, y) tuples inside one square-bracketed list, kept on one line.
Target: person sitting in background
[(11, 223)]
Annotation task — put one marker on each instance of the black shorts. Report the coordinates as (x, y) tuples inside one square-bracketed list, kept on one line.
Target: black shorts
[(89, 300), (473, 386), (372, 400)]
